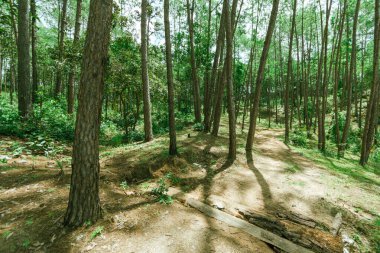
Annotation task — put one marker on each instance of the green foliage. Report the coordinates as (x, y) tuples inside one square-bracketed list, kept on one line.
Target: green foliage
[(124, 185), (198, 127), (88, 223), (25, 243), (299, 138), (49, 120), (98, 231), (6, 233), (376, 155), (29, 221), (331, 133), (173, 178), (161, 192)]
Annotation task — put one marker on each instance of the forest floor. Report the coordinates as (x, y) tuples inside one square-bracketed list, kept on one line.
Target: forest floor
[(33, 195)]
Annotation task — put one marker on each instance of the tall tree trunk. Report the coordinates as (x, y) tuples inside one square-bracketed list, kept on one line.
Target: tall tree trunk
[(326, 74), (71, 86), (1, 72), (169, 73), (24, 89), (372, 113), (230, 96), (194, 74), (207, 88), (33, 13), (338, 64), (13, 19), (289, 73), (342, 147), (84, 203), (62, 32), (217, 113), (213, 86), (260, 76), (144, 73)]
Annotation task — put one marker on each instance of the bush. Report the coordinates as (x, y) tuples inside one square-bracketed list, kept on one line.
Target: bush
[(299, 138), (50, 120), (376, 155), (10, 123), (198, 127)]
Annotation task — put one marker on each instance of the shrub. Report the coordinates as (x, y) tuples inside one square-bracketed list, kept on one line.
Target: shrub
[(198, 127), (299, 138)]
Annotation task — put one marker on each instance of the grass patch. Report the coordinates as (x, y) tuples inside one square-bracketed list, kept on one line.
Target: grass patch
[(347, 166), (293, 169), (6, 168)]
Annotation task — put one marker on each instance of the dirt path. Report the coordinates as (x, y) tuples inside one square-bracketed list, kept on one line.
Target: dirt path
[(275, 177), (32, 201)]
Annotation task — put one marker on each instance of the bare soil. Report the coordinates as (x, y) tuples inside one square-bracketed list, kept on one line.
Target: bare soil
[(33, 196)]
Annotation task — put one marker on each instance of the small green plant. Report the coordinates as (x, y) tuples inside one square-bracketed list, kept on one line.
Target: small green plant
[(60, 166), (6, 234), (98, 231), (144, 186), (88, 223), (29, 221), (124, 185), (292, 169), (25, 243), (161, 192), (3, 160), (173, 178), (198, 127)]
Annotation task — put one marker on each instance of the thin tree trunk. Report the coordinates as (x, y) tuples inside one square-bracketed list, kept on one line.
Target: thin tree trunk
[(169, 72), (374, 100), (194, 74), (230, 96), (260, 75), (207, 88), (338, 63), (214, 75), (62, 32), (144, 73), (71, 86), (289, 73), (342, 146), (33, 13)]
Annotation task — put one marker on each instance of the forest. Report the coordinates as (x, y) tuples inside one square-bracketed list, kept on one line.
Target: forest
[(189, 126)]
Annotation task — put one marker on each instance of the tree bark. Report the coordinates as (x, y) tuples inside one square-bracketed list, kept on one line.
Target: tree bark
[(24, 89), (84, 203), (33, 13), (337, 71), (62, 32), (230, 96), (213, 86), (194, 74), (371, 120), (144, 73), (169, 73), (71, 86), (260, 75), (289, 73), (207, 88), (343, 144)]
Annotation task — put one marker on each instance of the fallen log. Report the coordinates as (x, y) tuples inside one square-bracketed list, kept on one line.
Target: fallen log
[(337, 222), (295, 228), (251, 229), (314, 239)]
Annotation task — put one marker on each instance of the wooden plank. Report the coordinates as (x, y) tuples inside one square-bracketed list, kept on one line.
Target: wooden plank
[(247, 227), (337, 223)]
